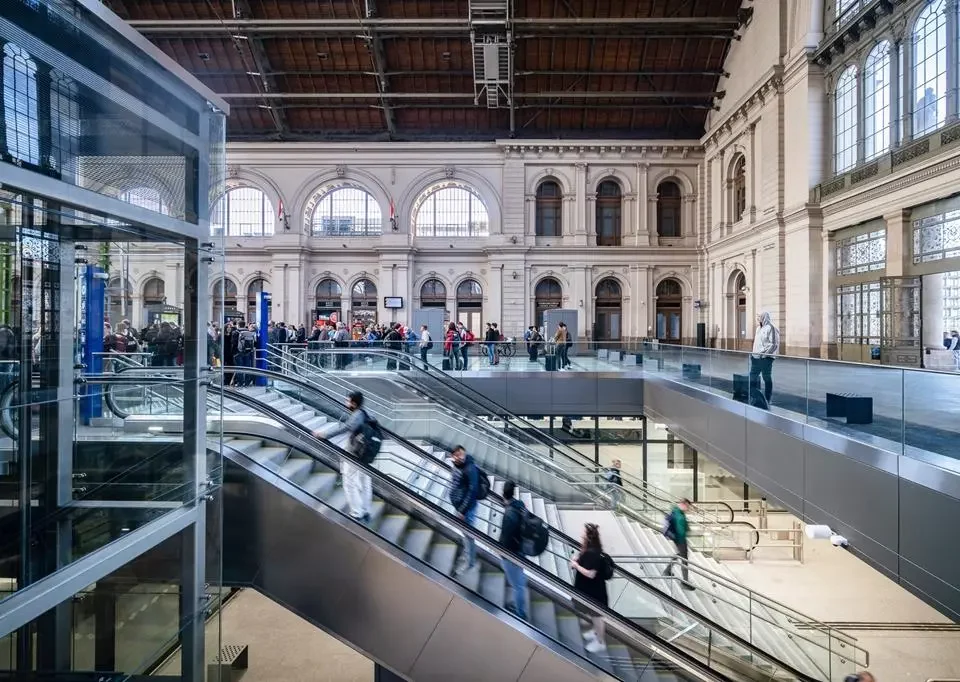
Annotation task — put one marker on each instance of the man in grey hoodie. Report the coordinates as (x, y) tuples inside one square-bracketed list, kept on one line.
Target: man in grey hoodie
[(766, 345)]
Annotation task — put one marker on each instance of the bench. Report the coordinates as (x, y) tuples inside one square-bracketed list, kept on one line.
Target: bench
[(691, 372), (857, 409), (229, 664), (741, 387)]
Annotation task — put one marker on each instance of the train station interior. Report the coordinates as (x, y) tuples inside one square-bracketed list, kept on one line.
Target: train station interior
[(302, 300)]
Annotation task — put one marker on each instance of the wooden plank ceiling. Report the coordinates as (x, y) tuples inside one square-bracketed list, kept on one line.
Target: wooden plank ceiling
[(403, 69)]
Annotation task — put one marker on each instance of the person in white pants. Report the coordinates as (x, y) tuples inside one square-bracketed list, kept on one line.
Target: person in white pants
[(356, 484)]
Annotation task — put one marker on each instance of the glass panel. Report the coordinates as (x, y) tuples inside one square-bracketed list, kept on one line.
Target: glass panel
[(345, 212), (862, 253), (876, 90), (930, 69), (845, 121), (243, 212), (450, 210)]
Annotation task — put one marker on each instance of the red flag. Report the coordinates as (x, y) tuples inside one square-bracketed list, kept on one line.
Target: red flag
[(280, 210), (392, 214)]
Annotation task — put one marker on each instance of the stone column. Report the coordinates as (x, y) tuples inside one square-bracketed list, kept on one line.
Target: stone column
[(754, 165), (932, 306), (643, 223), (580, 219), (530, 215), (899, 240), (651, 330), (688, 225)]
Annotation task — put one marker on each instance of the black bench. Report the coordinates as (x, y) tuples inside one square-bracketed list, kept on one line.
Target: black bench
[(741, 387), (857, 409), (691, 372), (229, 664)]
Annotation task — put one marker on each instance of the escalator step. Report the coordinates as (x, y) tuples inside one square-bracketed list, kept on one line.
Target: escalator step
[(493, 585), (417, 541), (321, 484), (443, 554), (544, 616), (297, 469), (393, 527), (619, 657), (568, 627), (337, 499), (270, 457)]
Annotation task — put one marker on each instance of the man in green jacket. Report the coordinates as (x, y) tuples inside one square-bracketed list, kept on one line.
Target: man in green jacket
[(676, 530)]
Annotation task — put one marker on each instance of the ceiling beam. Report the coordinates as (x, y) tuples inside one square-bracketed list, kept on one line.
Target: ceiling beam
[(659, 72), (576, 94), (379, 58), (360, 106), (214, 73), (241, 8)]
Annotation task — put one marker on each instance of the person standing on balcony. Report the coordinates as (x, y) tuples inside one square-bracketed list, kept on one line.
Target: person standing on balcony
[(766, 345)]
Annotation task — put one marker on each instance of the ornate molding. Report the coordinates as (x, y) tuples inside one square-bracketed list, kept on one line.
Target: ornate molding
[(449, 172), (680, 151), (341, 171)]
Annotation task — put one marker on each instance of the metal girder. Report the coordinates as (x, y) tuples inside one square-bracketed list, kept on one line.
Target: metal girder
[(659, 72), (379, 58), (576, 94), (324, 72), (470, 105), (241, 8)]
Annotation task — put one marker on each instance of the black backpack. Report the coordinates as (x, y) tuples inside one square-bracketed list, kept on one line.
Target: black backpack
[(534, 534), (667, 527), (484, 483), (247, 342), (367, 442), (605, 572)]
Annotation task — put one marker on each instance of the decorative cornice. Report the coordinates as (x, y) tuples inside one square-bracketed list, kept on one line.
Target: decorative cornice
[(772, 85), (678, 149)]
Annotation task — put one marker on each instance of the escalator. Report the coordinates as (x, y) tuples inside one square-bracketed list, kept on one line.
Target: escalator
[(258, 455)]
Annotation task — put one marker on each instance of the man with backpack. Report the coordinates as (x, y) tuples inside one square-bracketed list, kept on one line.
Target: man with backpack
[(469, 486), (511, 537), (246, 349), (676, 529), (364, 444)]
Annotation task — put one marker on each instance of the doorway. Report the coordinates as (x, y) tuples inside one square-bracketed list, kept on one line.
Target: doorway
[(608, 304), (669, 311), (470, 305)]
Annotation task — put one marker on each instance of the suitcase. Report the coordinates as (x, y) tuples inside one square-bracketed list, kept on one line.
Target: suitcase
[(446, 366), (550, 363)]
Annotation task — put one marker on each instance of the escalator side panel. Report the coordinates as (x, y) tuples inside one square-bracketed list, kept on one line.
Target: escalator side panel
[(399, 613)]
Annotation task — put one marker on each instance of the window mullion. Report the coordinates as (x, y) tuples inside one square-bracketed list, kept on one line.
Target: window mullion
[(951, 11)]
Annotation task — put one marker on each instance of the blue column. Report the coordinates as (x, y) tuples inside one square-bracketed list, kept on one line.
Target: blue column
[(95, 282), (263, 319)]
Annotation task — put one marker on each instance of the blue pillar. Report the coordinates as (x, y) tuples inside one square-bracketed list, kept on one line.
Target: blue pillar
[(94, 279), (263, 319)]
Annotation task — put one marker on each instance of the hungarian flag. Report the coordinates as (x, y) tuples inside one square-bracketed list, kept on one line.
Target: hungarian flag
[(280, 210)]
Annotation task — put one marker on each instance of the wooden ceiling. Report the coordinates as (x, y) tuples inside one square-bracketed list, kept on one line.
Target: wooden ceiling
[(404, 69)]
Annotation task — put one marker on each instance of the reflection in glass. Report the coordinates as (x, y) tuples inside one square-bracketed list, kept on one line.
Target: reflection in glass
[(20, 104)]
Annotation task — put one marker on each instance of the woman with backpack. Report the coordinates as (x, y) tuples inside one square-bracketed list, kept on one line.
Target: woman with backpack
[(592, 569)]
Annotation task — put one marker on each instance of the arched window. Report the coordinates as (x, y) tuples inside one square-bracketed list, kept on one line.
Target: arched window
[(433, 294), (549, 209), (345, 212), (224, 300), (20, 104), (668, 209), (363, 302), (740, 297), (450, 210), (119, 300), (669, 311), (876, 101), (846, 10), (329, 298), (608, 310), (64, 124), (243, 212), (845, 121), (256, 287), (930, 69), (154, 298), (609, 209), (739, 188), (547, 296), (470, 305), (145, 197)]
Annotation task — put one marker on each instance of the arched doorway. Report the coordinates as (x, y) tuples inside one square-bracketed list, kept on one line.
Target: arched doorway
[(225, 301), (470, 305), (608, 311), (119, 300), (669, 311), (154, 298), (363, 303), (740, 311), (547, 296), (433, 294), (609, 210), (257, 287), (329, 297)]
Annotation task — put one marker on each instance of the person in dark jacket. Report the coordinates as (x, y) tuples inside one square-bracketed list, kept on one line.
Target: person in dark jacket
[(511, 539), (589, 581), (677, 530), (464, 491)]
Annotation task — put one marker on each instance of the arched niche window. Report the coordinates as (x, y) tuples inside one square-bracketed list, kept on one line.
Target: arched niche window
[(845, 121), (154, 298), (608, 310), (547, 295), (668, 209), (876, 101), (255, 288), (930, 68), (363, 302), (20, 104), (433, 294), (470, 305), (669, 311), (609, 211), (224, 300), (344, 211), (549, 209), (119, 300), (64, 124), (450, 209), (243, 212), (740, 300), (145, 197), (329, 295), (738, 188)]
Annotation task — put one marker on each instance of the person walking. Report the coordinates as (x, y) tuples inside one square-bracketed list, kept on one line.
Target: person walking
[(510, 539), (676, 530), (490, 339), (560, 339), (426, 343), (357, 487), (766, 345), (952, 344), (464, 496), (615, 482), (592, 568)]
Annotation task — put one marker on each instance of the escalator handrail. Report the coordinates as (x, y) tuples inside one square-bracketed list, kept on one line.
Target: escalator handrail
[(559, 535), (438, 512), (488, 405)]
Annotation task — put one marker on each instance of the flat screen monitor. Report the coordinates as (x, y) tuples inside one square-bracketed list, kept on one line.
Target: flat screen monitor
[(392, 301)]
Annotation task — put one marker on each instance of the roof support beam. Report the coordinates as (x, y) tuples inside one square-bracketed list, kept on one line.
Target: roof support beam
[(469, 105), (379, 58), (241, 8), (576, 94)]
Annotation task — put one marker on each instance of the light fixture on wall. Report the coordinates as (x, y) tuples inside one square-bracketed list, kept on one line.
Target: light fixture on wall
[(516, 275), (513, 239)]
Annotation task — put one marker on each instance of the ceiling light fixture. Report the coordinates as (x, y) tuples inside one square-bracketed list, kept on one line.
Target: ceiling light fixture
[(204, 56)]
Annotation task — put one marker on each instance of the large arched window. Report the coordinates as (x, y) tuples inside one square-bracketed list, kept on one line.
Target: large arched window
[(547, 295), (243, 212), (450, 209), (345, 211), (145, 197), (845, 121), (363, 302), (930, 69), (20, 104), (549, 209), (609, 210), (257, 287), (329, 298), (876, 101), (64, 124), (433, 294), (669, 204), (738, 188)]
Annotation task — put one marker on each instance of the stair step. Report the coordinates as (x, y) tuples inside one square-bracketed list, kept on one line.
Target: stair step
[(493, 585), (417, 541), (320, 484), (297, 469), (393, 526), (443, 554), (543, 614)]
